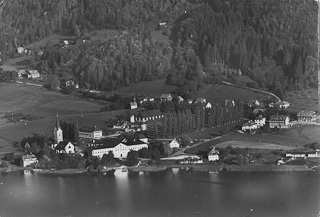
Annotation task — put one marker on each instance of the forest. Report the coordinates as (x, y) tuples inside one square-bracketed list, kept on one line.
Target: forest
[(272, 41)]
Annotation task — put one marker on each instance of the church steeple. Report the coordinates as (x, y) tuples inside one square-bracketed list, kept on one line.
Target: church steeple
[(58, 134)]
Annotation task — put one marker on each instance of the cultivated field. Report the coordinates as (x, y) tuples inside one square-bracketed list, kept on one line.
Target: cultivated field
[(302, 99), (219, 93)]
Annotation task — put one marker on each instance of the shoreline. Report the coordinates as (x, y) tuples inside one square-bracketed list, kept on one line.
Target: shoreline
[(188, 167)]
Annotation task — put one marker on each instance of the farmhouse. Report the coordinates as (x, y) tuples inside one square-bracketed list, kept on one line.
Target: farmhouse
[(133, 105), (120, 150), (165, 97), (201, 100), (260, 121), (20, 50), (213, 155), (174, 143), (208, 105), (250, 125), (150, 115), (282, 104), (33, 74), (307, 116), (90, 132), (180, 99), (65, 147), (279, 121), (27, 160)]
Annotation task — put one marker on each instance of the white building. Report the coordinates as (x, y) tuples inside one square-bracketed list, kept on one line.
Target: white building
[(64, 147), (174, 143), (213, 155), (90, 132), (58, 134), (121, 150), (279, 121), (27, 160), (249, 126), (260, 121), (33, 74)]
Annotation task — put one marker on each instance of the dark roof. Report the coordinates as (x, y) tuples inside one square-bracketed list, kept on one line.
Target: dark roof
[(61, 145), (306, 113), (133, 142), (89, 129), (150, 113), (278, 117)]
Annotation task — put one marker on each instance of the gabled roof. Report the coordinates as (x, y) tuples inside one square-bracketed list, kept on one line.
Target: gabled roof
[(306, 113), (278, 117), (89, 129), (200, 100), (61, 145), (134, 142), (29, 157), (165, 95)]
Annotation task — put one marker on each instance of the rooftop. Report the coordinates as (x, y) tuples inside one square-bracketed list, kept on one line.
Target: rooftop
[(306, 113), (89, 129)]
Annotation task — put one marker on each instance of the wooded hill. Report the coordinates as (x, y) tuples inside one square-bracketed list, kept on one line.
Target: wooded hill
[(272, 41)]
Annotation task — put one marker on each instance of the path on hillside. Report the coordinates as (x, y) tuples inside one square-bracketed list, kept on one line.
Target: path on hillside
[(253, 89)]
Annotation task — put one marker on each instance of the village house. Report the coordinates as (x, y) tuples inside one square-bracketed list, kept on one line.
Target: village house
[(133, 105), (307, 116), (33, 74), (279, 121), (174, 143), (20, 50), (90, 132), (282, 105), (190, 101), (250, 125), (201, 100), (165, 97), (253, 103), (64, 147), (120, 150), (213, 155), (208, 105), (22, 73), (149, 115), (27, 160), (180, 99), (260, 121)]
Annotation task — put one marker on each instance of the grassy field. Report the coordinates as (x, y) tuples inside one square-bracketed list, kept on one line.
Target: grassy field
[(219, 93), (253, 145), (46, 125), (153, 88), (159, 36), (290, 138), (302, 99)]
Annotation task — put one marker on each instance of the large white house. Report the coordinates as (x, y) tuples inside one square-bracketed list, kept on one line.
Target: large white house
[(213, 155), (64, 147), (174, 143), (27, 160), (90, 132), (120, 150)]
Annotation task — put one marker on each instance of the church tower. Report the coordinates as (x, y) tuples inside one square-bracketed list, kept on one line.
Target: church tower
[(58, 135)]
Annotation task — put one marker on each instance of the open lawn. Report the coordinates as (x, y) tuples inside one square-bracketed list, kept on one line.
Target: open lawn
[(159, 35), (253, 145), (271, 140), (46, 125), (219, 93), (302, 100), (310, 132), (38, 101), (153, 88), (102, 35)]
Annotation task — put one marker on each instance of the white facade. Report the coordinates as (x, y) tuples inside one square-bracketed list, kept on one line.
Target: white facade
[(68, 148), (249, 126), (174, 144), (58, 135), (27, 160), (260, 121), (91, 135), (119, 151), (213, 155)]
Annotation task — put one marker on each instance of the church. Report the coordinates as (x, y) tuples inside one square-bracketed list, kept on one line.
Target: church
[(60, 145)]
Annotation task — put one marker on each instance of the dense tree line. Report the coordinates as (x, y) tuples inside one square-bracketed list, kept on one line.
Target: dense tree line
[(273, 42), (70, 130)]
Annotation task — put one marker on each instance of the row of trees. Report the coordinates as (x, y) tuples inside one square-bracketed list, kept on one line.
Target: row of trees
[(185, 121)]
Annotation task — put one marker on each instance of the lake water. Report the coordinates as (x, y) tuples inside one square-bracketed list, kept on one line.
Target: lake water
[(169, 193)]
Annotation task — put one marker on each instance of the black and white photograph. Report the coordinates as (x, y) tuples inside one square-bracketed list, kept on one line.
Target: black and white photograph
[(159, 108)]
